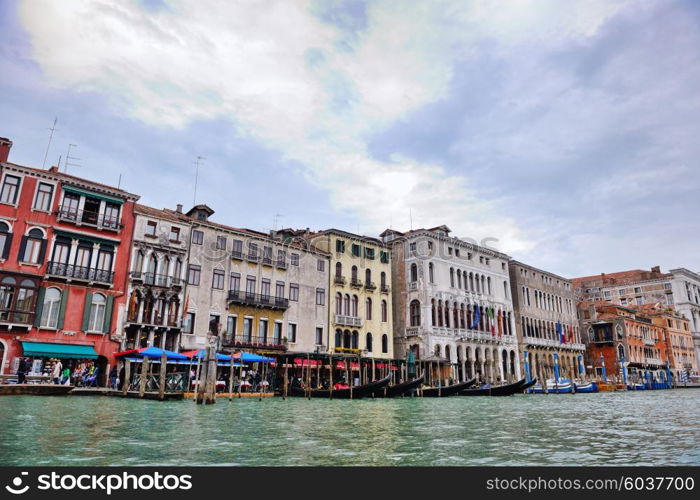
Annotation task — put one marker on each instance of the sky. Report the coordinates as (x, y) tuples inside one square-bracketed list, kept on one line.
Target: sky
[(564, 136)]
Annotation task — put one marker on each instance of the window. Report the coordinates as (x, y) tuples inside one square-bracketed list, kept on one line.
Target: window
[(321, 265), (385, 343), (291, 332), (369, 253), (384, 257), (281, 258), (277, 334), (319, 335), (320, 297), (621, 291), (449, 250), (110, 217), (43, 197), (214, 323), (414, 272), (5, 240), (174, 234), (218, 279), (10, 188), (267, 255), (237, 250), (667, 286), (104, 260), (231, 323), (368, 309), (97, 313), (197, 237), (252, 251), (415, 313), (177, 270), (294, 291), (637, 290), (188, 325), (50, 308), (150, 227), (247, 328), (384, 312), (279, 290), (235, 283), (221, 242), (431, 274), (340, 246), (265, 288), (33, 246), (193, 274), (355, 250), (368, 342), (250, 286), (295, 259), (262, 330)]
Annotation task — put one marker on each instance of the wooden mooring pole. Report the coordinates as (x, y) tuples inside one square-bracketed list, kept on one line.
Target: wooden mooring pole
[(163, 376), (127, 377), (144, 377)]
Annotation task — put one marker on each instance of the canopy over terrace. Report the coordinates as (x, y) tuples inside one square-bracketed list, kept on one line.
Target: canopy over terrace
[(225, 359), (153, 354)]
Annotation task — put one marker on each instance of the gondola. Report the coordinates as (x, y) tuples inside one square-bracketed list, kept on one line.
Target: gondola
[(359, 391), (528, 384), (449, 390), (391, 391), (499, 390)]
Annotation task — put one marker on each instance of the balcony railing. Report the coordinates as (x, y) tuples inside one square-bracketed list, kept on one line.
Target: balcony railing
[(257, 300), (369, 285), (16, 317), (413, 286), (89, 218), (281, 264), (649, 342), (348, 320), (79, 273), (252, 257), (653, 361), (267, 261), (384, 288), (237, 254), (339, 280), (355, 283), (249, 342)]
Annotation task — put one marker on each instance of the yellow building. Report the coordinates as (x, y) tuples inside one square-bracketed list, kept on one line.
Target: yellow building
[(360, 316), (679, 339)]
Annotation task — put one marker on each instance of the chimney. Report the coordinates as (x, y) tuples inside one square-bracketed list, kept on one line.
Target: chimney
[(179, 208), (5, 145), (656, 269), (53, 169)]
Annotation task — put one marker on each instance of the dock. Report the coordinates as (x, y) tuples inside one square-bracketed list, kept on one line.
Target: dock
[(236, 395)]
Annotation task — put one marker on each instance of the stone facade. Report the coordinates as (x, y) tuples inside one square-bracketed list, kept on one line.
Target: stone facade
[(439, 284), (546, 321)]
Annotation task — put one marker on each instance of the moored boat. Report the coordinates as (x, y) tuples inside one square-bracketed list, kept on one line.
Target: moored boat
[(497, 390), (359, 391), (562, 386), (449, 390), (586, 387), (34, 389), (400, 389)]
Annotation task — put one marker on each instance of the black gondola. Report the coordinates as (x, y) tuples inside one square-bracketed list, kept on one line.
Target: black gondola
[(359, 391), (499, 390), (528, 384), (391, 391), (449, 390)]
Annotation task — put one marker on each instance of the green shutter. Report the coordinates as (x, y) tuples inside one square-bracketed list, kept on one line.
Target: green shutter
[(39, 307), (108, 314), (62, 310), (86, 311)]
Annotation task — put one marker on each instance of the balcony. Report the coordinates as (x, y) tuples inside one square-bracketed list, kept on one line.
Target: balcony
[(348, 320), (384, 288), (93, 219), (339, 280), (281, 264), (136, 276), (248, 342), (413, 331), (252, 257), (257, 300), (650, 342), (237, 255), (267, 261), (413, 286), (653, 361), (369, 285), (71, 272), (355, 283), (15, 317)]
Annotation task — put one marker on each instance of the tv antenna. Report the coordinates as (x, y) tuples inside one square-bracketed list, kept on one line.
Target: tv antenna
[(48, 146), (69, 158), (196, 177), (275, 220)]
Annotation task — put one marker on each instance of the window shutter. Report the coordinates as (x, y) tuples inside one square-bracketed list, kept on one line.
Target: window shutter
[(8, 244), (108, 313), (86, 311), (62, 310), (42, 251), (22, 248), (39, 307)]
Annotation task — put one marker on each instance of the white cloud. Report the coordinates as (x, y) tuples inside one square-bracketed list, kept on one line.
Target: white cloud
[(277, 72)]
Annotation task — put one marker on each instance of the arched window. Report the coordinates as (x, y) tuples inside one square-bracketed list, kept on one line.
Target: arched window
[(414, 272), (459, 278), (432, 313), (346, 339), (488, 284), (339, 303), (385, 343), (346, 305), (384, 312), (134, 305), (354, 274), (448, 353), (415, 313), (431, 274), (32, 250), (338, 270), (478, 287), (353, 312), (97, 313), (368, 276), (368, 308), (50, 308), (471, 281), (152, 264), (5, 240), (620, 351), (369, 342), (355, 339), (177, 272), (382, 280), (452, 277), (338, 338), (165, 268)]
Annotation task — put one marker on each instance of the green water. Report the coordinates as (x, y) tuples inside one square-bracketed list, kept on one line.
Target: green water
[(639, 428)]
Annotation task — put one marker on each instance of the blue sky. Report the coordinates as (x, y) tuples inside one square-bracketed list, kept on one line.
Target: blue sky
[(568, 134)]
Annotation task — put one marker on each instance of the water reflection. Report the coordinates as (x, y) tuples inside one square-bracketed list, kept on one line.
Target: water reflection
[(640, 428)]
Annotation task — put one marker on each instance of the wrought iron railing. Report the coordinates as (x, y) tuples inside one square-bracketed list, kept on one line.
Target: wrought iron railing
[(247, 341), (79, 272), (16, 316), (89, 218), (256, 299)]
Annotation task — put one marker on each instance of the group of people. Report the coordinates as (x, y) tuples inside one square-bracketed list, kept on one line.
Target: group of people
[(83, 374)]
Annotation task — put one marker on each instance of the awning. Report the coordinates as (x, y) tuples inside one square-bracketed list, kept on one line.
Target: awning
[(65, 351), (91, 194), (151, 353)]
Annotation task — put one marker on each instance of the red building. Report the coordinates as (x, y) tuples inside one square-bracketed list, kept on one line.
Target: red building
[(64, 254)]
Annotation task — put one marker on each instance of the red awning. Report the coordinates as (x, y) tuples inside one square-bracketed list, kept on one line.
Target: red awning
[(306, 362), (340, 365)]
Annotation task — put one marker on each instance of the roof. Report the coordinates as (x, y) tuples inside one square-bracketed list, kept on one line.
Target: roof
[(618, 278), (164, 213)]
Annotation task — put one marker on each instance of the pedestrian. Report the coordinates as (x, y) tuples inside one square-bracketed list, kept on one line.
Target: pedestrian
[(65, 378), (56, 373), (113, 377), (122, 374), (22, 371)]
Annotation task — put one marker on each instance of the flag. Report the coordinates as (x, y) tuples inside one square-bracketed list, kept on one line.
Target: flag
[(477, 318), (490, 314), (571, 334), (186, 306), (560, 331)]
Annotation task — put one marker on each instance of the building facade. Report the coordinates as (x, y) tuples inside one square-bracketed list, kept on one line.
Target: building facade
[(452, 304), (156, 290), (679, 339), (252, 290), (679, 288), (546, 321), (64, 252)]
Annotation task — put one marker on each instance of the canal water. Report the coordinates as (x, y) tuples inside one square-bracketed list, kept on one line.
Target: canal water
[(635, 428)]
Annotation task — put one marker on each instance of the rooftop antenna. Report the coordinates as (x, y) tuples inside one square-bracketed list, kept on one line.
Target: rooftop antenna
[(119, 183), (275, 220), (410, 216), (196, 177), (68, 162), (48, 146)]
